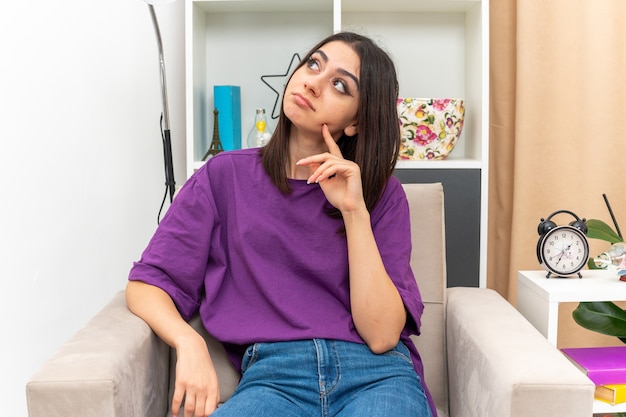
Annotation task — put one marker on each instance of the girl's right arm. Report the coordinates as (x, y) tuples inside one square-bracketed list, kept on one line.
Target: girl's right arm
[(196, 379)]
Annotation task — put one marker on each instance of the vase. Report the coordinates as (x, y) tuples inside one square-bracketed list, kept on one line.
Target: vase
[(613, 259), (429, 127)]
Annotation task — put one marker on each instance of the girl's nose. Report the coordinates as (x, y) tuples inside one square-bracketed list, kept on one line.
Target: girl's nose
[(312, 85)]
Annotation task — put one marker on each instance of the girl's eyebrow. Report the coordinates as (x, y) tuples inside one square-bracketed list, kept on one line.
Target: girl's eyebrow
[(324, 57)]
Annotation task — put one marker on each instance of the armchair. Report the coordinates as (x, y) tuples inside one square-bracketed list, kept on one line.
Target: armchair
[(482, 358)]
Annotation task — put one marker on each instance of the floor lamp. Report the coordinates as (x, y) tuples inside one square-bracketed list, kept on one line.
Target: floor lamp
[(170, 184)]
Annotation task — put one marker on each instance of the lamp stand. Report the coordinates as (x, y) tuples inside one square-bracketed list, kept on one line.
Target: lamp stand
[(170, 184)]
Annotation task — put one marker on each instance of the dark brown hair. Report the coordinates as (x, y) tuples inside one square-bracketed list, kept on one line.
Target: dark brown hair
[(375, 148)]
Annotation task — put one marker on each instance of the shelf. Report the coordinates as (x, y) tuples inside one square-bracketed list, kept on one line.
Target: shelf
[(444, 164), (366, 6), (264, 6), (408, 6)]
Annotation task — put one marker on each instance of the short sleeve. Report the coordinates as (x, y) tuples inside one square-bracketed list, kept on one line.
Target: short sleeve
[(175, 259)]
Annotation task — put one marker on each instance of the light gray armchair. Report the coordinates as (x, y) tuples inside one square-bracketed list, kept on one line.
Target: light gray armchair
[(482, 358)]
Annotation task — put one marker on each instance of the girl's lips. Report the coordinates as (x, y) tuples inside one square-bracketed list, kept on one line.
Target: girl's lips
[(302, 101)]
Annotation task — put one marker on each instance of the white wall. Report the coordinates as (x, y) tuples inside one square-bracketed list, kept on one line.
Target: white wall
[(81, 165)]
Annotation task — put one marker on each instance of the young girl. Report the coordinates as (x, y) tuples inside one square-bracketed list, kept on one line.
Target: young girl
[(296, 256)]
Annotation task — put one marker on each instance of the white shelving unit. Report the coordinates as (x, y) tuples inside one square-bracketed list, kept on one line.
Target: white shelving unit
[(440, 48)]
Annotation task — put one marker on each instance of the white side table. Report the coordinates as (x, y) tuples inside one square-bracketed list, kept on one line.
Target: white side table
[(538, 300), (538, 297)]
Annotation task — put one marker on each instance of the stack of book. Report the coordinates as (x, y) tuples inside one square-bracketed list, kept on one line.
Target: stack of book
[(606, 367)]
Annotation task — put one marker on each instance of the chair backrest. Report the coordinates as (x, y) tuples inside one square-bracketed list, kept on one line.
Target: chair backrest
[(428, 260)]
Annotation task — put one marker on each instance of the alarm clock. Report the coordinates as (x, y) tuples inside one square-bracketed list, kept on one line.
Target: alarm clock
[(563, 250)]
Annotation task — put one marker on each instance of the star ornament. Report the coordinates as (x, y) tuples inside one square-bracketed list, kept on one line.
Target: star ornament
[(277, 83)]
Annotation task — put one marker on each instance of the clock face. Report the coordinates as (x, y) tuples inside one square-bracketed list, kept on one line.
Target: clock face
[(564, 250)]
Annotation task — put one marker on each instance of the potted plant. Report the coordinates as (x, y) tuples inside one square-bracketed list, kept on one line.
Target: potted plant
[(604, 317)]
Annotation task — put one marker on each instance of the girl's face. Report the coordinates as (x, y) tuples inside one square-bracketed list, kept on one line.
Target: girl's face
[(325, 90)]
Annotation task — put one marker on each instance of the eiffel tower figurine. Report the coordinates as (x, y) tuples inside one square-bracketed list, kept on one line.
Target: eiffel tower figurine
[(216, 145)]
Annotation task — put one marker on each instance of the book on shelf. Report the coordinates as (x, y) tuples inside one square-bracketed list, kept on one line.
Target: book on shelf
[(611, 393), (602, 365)]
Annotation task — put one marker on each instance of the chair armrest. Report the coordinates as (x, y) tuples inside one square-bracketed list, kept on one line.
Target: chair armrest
[(114, 366), (499, 365)]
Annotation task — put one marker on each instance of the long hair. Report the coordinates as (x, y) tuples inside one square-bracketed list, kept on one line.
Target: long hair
[(375, 148)]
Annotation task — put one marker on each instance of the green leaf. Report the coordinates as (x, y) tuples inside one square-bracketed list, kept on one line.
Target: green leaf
[(597, 229), (603, 317)]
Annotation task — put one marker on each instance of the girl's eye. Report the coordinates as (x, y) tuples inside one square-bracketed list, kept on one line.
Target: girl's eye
[(340, 86), (312, 63)]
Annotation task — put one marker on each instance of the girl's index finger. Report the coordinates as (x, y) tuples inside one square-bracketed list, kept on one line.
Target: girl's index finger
[(330, 141)]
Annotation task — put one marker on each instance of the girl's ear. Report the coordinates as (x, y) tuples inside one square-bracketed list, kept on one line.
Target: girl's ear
[(352, 129)]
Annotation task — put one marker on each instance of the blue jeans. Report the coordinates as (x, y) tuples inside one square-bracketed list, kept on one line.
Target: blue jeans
[(326, 378)]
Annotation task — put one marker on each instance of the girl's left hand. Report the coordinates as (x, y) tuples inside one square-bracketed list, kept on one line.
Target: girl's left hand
[(339, 178)]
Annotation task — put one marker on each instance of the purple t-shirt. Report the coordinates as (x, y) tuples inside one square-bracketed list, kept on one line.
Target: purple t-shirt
[(264, 266)]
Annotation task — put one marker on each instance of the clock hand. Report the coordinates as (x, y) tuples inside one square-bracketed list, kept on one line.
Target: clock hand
[(567, 250), (563, 251), (560, 256)]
